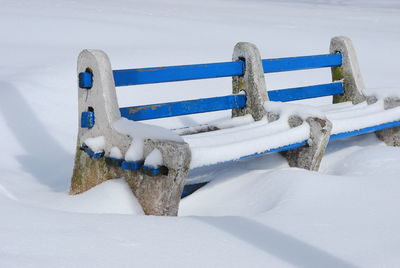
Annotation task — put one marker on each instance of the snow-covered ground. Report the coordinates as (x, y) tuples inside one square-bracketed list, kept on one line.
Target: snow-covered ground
[(254, 213)]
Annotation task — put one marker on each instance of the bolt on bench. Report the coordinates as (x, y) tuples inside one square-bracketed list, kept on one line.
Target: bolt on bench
[(155, 161)]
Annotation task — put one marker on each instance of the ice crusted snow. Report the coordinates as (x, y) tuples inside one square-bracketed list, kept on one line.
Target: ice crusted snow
[(139, 132), (154, 159), (257, 213), (96, 144)]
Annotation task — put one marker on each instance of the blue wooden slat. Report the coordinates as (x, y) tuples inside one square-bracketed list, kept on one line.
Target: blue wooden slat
[(364, 130), (211, 70), (176, 73), (280, 149), (189, 189), (275, 150), (301, 63), (308, 92), (169, 109)]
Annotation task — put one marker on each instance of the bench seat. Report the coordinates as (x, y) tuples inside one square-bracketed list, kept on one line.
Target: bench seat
[(224, 145), (346, 117), (238, 138)]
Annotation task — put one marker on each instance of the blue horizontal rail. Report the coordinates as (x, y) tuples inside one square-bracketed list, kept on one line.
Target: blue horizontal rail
[(176, 73), (211, 70), (169, 109), (308, 92), (301, 63), (364, 130)]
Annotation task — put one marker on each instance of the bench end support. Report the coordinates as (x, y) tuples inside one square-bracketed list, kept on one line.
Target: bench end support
[(252, 82), (160, 195), (349, 71), (390, 136), (309, 157)]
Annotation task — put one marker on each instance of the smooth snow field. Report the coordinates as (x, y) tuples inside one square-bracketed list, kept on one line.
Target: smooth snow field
[(254, 213)]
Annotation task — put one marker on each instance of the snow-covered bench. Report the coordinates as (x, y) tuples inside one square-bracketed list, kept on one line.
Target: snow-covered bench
[(155, 161)]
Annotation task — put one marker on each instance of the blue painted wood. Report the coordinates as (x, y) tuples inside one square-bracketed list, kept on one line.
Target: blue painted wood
[(176, 73), (85, 80), (87, 119), (275, 150), (115, 162), (189, 189), (162, 110), (153, 75), (224, 69), (301, 63), (91, 154), (364, 130), (169, 109), (308, 92), (151, 170), (132, 165)]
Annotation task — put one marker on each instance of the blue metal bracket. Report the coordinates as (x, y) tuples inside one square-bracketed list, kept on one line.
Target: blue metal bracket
[(92, 154), (132, 165), (151, 171), (115, 162), (85, 80), (87, 119)]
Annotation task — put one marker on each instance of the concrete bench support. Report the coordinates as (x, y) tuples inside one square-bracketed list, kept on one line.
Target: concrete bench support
[(354, 85), (309, 157), (349, 71), (390, 136), (252, 82), (158, 195)]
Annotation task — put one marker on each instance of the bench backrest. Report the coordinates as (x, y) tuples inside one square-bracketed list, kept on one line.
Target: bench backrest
[(152, 75)]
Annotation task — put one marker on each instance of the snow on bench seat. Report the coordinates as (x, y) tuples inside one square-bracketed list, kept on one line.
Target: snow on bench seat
[(232, 144), (243, 136), (347, 118)]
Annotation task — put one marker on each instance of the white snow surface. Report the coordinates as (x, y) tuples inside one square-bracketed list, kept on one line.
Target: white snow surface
[(361, 116), (139, 132), (154, 159), (115, 152), (254, 213), (231, 144), (96, 144)]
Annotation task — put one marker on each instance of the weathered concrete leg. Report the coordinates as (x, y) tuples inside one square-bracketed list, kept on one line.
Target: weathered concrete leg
[(390, 136), (160, 195), (252, 82), (349, 71), (309, 157), (100, 99), (90, 172)]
